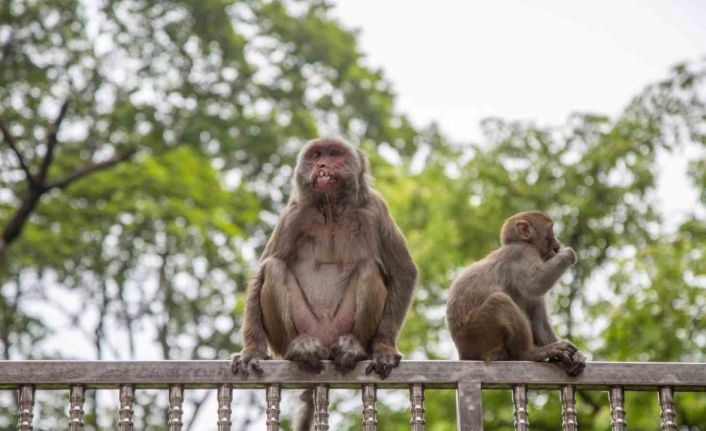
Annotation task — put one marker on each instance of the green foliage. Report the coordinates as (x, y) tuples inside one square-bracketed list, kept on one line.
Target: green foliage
[(149, 259)]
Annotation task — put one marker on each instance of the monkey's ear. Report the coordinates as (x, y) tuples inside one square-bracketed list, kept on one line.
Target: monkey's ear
[(523, 229), (364, 163)]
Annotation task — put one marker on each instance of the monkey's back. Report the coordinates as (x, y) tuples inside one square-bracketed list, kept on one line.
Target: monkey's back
[(477, 282)]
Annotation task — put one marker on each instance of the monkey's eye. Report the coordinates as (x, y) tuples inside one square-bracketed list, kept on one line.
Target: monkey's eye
[(315, 154), (335, 153)]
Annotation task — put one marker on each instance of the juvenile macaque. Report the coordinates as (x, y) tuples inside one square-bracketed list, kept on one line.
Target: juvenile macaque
[(497, 310), (335, 279)]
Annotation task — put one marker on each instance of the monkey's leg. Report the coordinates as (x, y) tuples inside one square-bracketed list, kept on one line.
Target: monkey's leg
[(276, 305), (373, 305), (363, 304), (496, 330)]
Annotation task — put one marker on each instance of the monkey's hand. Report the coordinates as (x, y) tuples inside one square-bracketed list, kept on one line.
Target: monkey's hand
[(383, 360), (307, 352), (568, 254), (345, 351), (577, 364), (248, 360)]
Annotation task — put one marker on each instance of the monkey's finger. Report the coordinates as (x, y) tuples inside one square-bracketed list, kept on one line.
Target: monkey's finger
[(370, 368), (396, 360), (575, 369), (235, 363), (382, 369), (256, 367), (240, 365), (243, 369), (563, 357)]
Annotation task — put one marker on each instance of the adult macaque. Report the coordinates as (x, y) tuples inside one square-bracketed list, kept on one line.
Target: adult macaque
[(335, 279), (497, 310)]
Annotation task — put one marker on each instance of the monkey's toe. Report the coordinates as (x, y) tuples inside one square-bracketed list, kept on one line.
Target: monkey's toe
[(307, 352), (346, 351), (577, 365), (560, 351), (383, 361), (248, 361)]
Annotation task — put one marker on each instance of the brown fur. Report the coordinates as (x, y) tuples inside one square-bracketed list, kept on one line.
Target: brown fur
[(496, 308), (336, 278)]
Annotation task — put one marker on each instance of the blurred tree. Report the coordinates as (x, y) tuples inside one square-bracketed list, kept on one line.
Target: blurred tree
[(214, 98), (182, 118)]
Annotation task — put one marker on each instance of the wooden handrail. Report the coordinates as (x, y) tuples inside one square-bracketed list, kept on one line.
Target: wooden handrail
[(433, 374), (467, 377)]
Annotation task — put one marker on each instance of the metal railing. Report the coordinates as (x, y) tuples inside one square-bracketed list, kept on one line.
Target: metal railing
[(468, 378)]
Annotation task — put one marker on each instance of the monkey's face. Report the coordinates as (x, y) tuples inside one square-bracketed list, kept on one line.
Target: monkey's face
[(327, 166), (547, 241)]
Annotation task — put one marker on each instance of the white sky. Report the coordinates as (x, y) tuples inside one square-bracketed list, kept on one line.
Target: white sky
[(460, 61), (457, 62)]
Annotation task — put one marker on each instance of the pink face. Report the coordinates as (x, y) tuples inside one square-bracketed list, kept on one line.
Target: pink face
[(325, 161)]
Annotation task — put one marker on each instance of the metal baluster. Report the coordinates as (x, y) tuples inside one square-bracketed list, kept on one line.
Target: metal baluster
[(416, 398), (568, 408), (321, 408), (25, 403), (273, 399), (519, 399), (370, 421), (666, 405), (176, 399), (617, 409), (225, 396), (77, 396), (126, 413)]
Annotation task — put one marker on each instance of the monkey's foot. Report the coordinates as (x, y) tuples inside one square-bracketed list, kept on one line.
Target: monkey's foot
[(307, 352), (383, 360), (345, 351), (578, 363), (248, 360), (559, 351)]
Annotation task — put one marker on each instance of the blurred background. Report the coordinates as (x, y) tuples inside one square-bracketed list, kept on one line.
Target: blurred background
[(146, 149)]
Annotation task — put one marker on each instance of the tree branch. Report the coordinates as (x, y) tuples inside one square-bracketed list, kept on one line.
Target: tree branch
[(51, 143), (89, 169), (13, 146)]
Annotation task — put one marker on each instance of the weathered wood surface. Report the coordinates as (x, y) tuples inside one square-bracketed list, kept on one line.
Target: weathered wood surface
[(432, 374), (469, 406)]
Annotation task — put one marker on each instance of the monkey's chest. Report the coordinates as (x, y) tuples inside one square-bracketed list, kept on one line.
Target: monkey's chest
[(328, 257)]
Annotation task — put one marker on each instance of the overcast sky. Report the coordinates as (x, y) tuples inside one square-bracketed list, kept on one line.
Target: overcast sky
[(457, 62), (460, 61)]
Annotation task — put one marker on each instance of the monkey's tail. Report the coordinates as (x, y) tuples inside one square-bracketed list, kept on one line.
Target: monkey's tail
[(305, 415)]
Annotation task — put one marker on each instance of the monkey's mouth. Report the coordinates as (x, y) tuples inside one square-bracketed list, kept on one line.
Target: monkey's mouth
[(324, 179)]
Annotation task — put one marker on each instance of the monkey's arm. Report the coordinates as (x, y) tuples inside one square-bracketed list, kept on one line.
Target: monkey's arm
[(400, 275), (549, 272), (280, 245)]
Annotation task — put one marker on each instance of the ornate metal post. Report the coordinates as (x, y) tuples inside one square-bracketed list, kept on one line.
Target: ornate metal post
[(273, 399), (321, 408), (416, 398), (126, 412), (617, 409), (370, 422), (225, 396), (568, 408), (519, 399), (77, 396), (666, 405), (176, 400), (25, 401)]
